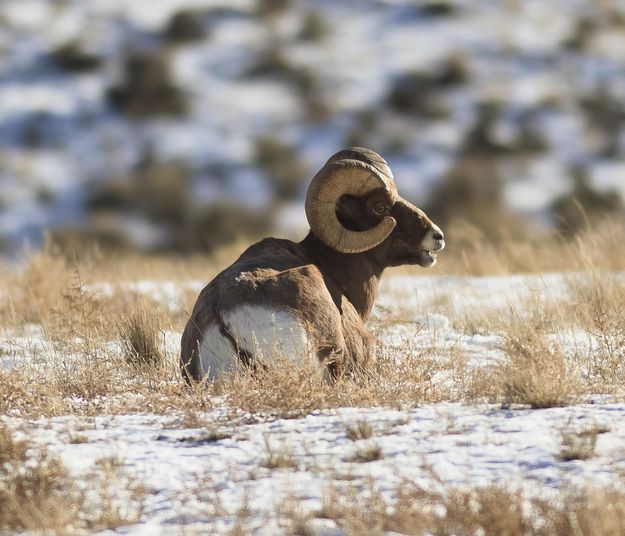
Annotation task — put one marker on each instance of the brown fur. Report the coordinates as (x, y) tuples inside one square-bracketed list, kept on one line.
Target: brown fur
[(331, 293)]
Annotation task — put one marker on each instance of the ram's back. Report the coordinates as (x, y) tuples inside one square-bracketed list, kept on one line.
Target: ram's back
[(271, 302)]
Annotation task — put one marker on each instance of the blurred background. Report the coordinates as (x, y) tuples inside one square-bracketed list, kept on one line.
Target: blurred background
[(183, 125)]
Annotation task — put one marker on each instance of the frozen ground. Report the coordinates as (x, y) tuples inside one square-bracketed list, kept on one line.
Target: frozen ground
[(189, 477), (199, 480)]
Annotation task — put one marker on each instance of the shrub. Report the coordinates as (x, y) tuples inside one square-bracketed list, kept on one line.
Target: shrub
[(359, 430), (584, 206), (605, 113), (582, 33), (471, 191), (147, 89), (160, 194), (579, 444), (418, 93), (157, 190), (314, 26), (535, 371), (73, 56), (273, 63), (480, 139), (219, 224), (415, 94), (282, 164), (184, 27), (272, 8), (438, 8)]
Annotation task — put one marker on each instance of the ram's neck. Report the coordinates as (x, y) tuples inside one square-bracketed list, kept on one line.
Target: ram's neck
[(354, 276)]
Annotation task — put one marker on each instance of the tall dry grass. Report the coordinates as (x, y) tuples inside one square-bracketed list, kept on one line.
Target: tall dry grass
[(470, 252), (97, 344)]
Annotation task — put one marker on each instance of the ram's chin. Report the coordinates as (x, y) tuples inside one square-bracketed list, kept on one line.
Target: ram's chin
[(426, 258)]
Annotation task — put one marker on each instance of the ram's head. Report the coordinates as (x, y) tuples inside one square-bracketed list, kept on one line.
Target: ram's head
[(353, 206)]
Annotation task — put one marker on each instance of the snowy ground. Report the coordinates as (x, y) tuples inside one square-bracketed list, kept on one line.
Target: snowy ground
[(434, 446), (198, 480)]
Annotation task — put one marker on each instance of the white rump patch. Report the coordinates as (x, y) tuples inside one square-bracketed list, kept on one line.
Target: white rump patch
[(268, 334)]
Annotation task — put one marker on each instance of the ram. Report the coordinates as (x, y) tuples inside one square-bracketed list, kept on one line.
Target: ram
[(308, 302)]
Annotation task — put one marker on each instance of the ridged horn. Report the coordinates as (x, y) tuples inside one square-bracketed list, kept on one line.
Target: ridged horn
[(355, 171)]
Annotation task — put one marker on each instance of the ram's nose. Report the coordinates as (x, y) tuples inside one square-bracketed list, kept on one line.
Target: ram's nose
[(436, 240)]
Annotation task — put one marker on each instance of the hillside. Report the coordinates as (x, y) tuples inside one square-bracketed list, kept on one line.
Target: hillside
[(139, 123)]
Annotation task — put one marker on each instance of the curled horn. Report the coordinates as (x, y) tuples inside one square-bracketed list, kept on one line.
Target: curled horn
[(356, 172)]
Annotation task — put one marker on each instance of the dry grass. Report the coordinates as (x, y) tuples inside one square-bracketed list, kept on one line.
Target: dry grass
[(367, 452), (80, 371), (537, 367), (108, 385), (579, 444), (492, 510), (38, 493), (599, 300), (278, 457), (359, 430), (99, 348), (470, 252), (536, 372), (11, 450), (592, 513), (140, 338), (92, 381), (284, 390)]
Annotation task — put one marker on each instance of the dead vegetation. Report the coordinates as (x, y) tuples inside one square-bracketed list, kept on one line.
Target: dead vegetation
[(140, 338), (37, 492), (491, 510), (359, 430), (535, 371), (285, 390), (104, 345), (279, 457), (369, 451), (472, 252), (599, 311), (579, 444)]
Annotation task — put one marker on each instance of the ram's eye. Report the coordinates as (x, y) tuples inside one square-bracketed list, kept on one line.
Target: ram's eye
[(378, 210)]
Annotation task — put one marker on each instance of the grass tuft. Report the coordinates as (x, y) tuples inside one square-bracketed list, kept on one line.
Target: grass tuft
[(367, 452), (359, 430), (279, 457), (140, 338), (579, 444)]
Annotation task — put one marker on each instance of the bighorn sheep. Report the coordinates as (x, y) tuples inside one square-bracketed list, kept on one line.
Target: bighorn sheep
[(308, 301)]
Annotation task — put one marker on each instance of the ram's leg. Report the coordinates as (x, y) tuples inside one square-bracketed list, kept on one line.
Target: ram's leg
[(331, 359), (359, 343)]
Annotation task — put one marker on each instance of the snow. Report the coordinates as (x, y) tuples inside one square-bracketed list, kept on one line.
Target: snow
[(460, 445), (436, 445)]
